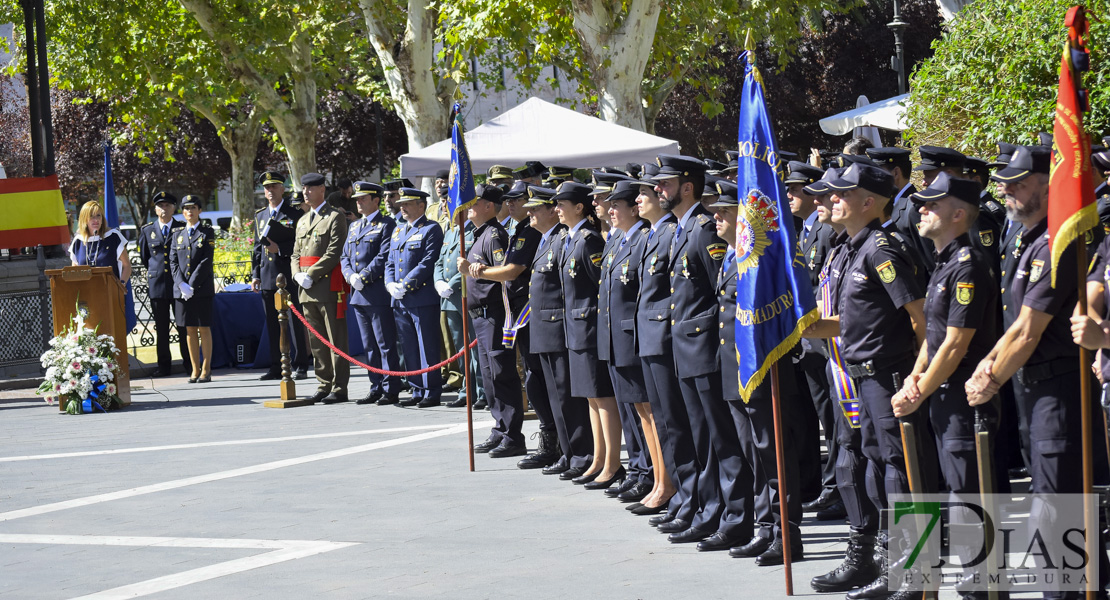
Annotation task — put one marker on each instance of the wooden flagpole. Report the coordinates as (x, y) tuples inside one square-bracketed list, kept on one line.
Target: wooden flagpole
[(784, 512)]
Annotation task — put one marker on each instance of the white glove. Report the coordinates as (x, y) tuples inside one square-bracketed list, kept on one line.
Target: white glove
[(186, 290), (444, 289), (397, 291), (303, 280), (356, 282)]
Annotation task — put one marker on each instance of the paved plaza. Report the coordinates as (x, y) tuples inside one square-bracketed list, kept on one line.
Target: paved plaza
[(198, 491)]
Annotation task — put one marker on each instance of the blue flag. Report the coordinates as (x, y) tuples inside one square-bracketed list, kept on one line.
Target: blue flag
[(774, 298), (111, 219), (461, 180)]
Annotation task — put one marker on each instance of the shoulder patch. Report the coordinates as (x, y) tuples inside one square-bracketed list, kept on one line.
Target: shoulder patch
[(886, 272), (595, 258), (964, 292), (717, 251), (498, 255), (519, 244), (1035, 269)]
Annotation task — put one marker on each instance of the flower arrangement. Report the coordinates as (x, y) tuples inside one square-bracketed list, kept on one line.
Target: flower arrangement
[(80, 369)]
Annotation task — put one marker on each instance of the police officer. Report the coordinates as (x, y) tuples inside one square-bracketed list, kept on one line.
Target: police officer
[(155, 241), (321, 234), (531, 173), (557, 175), (724, 485), (487, 308), (904, 217), (393, 195), (448, 283), (413, 250), (191, 263), (364, 258), (274, 228)]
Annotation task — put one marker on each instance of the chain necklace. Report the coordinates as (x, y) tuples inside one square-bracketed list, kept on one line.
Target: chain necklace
[(91, 250)]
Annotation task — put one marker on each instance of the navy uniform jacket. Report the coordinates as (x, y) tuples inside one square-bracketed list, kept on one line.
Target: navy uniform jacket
[(620, 287), (878, 280), (154, 250), (365, 253), (581, 268), (522, 250), (490, 244), (545, 288), (447, 265), (191, 260), (412, 261), (986, 235), (815, 248), (653, 309), (265, 266), (696, 257), (962, 293), (992, 206), (1033, 288), (905, 218), (726, 317), (1012, 250)]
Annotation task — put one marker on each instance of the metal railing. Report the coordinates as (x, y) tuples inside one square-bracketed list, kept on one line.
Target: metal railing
[(26, 321)]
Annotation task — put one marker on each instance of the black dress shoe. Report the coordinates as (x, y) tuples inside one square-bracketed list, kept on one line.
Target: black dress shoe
[(572, 473), (387, 399), (601, 484), (270, 376), (613, 492), (717, 541), (370, 398), (755, 546), (632, 507), (673, 526), (661, 519), (457, 403), (428, 403), (537, 461), (828, 497), (508, 448), (637, 492), (691, 535), (191, 380), (774, 555), (334, 398), (319, 396), (561, 466), (584, 479), (160, 373), (480, 405), (836, 512), (301, 373), (646, 510), (491, 442), (207, 379), (413, 401)]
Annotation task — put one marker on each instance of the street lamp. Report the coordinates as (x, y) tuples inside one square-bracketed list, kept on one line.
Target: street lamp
[(897, 62)]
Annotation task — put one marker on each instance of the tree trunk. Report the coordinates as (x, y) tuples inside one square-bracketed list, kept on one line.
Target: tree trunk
[(299, 138), (239, 139)]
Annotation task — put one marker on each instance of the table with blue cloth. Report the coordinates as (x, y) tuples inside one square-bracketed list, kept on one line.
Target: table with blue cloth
[(239, 318)]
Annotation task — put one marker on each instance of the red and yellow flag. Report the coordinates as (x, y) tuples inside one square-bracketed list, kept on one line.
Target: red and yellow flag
[(33, 212), (1071, 196)]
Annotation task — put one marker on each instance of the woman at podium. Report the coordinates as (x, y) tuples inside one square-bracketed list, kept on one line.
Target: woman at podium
[(97, 246), (191, 255)]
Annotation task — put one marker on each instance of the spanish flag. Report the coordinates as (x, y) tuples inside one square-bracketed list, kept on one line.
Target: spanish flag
[(33, 213), (1071, 191)]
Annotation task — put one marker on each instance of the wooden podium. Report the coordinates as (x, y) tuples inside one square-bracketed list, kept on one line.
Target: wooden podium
[(96, 290)]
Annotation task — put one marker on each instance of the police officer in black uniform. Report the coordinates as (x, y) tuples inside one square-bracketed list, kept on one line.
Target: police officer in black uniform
[(155, 241), (487, 309)]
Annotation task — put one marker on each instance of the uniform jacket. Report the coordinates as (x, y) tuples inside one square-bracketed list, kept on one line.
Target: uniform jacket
[(322, 236), (581, 268), (413, 251), (523, 240), (447, 266), (905, 219), (365, 253), (154, 250), (265, 266), (696, 256), (653, 306), (191, 260), (620, 288), (726, 350), (815, 248), (545, 295)]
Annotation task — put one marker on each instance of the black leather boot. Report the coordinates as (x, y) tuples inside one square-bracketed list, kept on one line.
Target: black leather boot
[(858, 569)]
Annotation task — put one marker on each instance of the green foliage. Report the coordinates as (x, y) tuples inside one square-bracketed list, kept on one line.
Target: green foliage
[(994, 76), (235, 245)]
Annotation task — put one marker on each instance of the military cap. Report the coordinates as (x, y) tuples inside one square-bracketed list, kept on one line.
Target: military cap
[(714, 166), (167, 197), (499, 173), (604, 181), (821, 186), (1101, 160), (297, 199), (801, 172), (647, 174), (540, 196), (394, 185), (733, 157), (727, 194), (710, 186), (1005, 151), (1044, 139), (975, 166), (1025, 161), (944, 185), (625, 189), (365, 188), (519, 190), (559, 173), (784, 157), (531, 168), (191, 200), (937, 157), (866, 177), (271, 177), (491, 192), (845, 160), (572, 191), (412, 195), (634, 170), (312, 179), (671, 166), (888, 155), (443, 174), (613, 171)]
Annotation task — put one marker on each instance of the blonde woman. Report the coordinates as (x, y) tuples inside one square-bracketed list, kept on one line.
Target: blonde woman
[(95, 245)]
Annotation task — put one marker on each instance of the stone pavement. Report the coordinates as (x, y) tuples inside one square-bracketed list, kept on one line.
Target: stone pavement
[(198, 491)]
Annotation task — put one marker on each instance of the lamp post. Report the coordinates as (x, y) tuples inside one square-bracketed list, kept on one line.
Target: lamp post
[(897, 62)]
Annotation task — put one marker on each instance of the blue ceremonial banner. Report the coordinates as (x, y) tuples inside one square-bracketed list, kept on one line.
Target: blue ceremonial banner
[(774, 298), (111, 219), (461, 181)]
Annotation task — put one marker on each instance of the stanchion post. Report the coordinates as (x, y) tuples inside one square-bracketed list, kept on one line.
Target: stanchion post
[(288, 386)]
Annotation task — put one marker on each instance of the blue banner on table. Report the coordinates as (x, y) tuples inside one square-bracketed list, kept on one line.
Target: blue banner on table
[(461, 180), (111, 219), (774, 298)]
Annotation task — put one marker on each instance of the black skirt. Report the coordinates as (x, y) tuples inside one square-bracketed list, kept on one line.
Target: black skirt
[(589, 375), (194, 312)]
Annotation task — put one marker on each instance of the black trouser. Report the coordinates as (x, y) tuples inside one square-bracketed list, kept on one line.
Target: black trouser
[(534, 382), (161, 311), (852, 472), (499, 376), (571, 415), (672, 423), (301, 357), (816, 388)]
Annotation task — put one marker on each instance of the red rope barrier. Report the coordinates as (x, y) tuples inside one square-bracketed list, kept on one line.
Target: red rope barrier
[(327, 343)]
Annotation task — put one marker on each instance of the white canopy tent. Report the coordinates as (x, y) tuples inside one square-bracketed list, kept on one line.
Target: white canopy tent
[(888, 114), (540, 130)]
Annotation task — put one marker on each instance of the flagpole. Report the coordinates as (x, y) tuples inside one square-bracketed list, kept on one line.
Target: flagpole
[(468, 383), (784, 513), (1090, 518)]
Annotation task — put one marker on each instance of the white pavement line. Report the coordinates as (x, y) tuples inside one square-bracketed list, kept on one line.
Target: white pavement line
[(283, 550), (270, 466), (315, 436)]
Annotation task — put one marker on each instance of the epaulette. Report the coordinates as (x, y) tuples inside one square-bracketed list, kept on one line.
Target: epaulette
[(964, 254), (702, 219), (259, 211), (882, 238)]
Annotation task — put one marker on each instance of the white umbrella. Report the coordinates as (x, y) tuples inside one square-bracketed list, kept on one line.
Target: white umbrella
[(888, 114)]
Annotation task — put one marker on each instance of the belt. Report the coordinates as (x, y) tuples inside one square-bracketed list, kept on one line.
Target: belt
[(1042, 371), (485, 311), (867, 369)]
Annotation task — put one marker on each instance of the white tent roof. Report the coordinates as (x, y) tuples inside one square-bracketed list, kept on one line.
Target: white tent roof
[(540, 130), (888, 114)]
